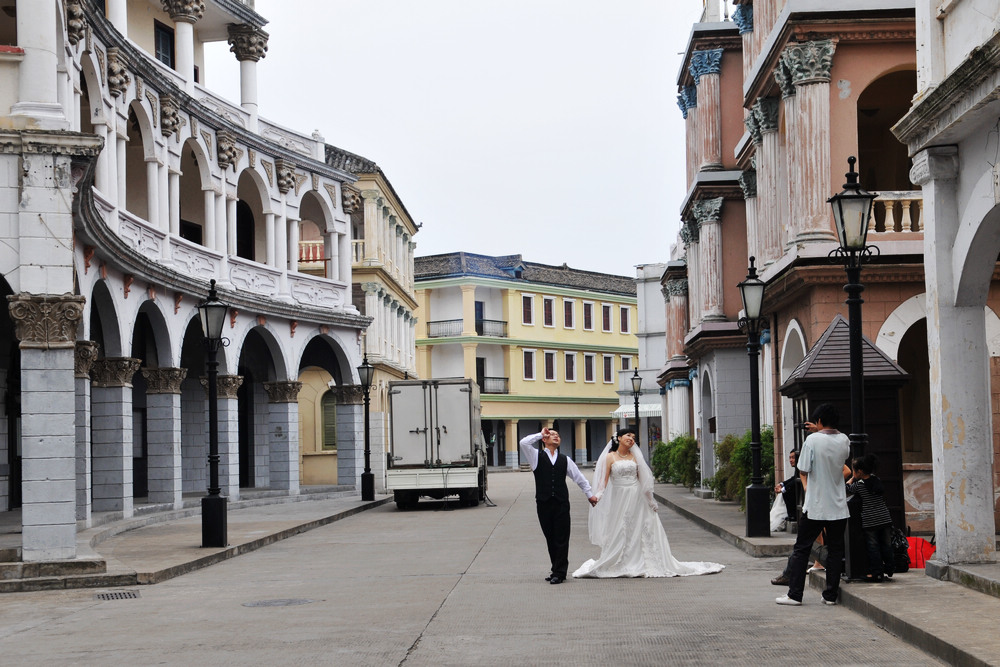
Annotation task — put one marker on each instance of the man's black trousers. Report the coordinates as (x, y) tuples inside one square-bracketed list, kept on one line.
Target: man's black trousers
[(553, 516)]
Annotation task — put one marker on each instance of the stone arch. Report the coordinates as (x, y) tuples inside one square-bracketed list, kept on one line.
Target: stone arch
[(92, 93), (104, 327), (161, 344), (195, 179), (707, 419), (139, 148), (314, 222), (252, 205), (977, 245), (323, 368), (793, 351), (914, 309), (883, 160)]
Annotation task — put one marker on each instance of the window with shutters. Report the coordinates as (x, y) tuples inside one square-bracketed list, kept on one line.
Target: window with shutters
[(329, 409)]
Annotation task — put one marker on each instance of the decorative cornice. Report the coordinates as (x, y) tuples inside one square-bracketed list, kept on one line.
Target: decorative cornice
[(748, 183), (76, 22), (185, 11), (705, 62), (765, 113), (247, 42), (707, 210), (282, 392), (164, 380), (118, 76), (114, 371), (743, 18), (86, 355), (46, 322), (809, 62)]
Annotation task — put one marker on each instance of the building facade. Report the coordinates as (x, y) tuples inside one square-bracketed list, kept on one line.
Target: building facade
[(776, 96), (544, 343), (127, 186)]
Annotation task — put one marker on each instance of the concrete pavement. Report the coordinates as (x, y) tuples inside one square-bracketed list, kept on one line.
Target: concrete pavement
[(496, 559)]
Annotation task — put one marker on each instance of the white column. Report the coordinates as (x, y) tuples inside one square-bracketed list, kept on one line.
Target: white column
[(345, 258), (231, 225), (331, 250), (184, 50), (101, 180), (248, 90), (120, 164), (281, 251), (220, 223), (163, 192), (710, 244), (38, 86), (293, 244), (118, 15), (208, 237), (153, 191), (109, 155), (269, 239), (175, 202)]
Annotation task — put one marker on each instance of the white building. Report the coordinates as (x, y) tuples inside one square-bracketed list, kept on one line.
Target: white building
[(126, 186)]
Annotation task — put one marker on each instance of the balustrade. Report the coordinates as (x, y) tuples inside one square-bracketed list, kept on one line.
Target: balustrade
[(494, 385), (898, 211)]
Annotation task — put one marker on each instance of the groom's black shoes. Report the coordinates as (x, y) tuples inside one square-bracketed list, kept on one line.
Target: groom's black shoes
[(548, 578), (556, 579)]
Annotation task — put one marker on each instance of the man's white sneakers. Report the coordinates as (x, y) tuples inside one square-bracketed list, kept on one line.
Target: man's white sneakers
[(784, 599)]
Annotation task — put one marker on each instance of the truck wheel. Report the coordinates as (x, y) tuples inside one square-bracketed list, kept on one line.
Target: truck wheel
[(470, 497), (404, 500)]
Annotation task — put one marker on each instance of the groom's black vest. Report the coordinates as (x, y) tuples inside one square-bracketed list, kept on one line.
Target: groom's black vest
[(550, 480)]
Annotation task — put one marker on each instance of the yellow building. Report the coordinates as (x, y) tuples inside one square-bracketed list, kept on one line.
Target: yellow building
[(544, 343)]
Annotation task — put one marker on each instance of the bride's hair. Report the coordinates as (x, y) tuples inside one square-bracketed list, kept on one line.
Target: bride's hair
[(620, 433)]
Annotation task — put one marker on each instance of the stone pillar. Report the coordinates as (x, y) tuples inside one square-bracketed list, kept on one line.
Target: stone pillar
[(511, 453), (153, 194), (118, 15), (219, 241), (580, 441), (689, 236), (743, 18), (468, 310), (343, 265), (372, 309), (269, 239), (249, 43), (708, 213), (705, 68), (112, 434), (676, 297), (184, 14), (609, 430), (121, 142), (231, 201), (765, 125), (37, 105), (208, 239), (229, 434), (163, 434), (283, 435), (961, 410), (86, 354), (175, 202), (373, 202), (293, 244), (808, 65), (680, 408), (350, 435), (469, 360), (748, 183)]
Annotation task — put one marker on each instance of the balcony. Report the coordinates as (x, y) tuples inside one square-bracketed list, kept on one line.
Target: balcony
[(444, 328), (493, 328), (898, 211), (488, 385)]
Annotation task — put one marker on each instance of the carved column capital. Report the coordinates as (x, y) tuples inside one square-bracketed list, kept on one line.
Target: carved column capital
[(743, 18), (371, 288), (689, 232), (185, 11), (164, 380), (677, 287), (687, 99), (707, 210), (86, 355), (118, 76), (809, 62), (350, 394), (350, 200), (247, 42), (225, 385), (705, 62), (938, 163), (170, 118), (750, 120), (45, 321), (282, 392), (748, 183), (76, 21), (765, 112), (114, 371), (783, 75)]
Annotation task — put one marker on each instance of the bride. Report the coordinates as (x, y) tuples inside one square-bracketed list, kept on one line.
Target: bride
[(624, 523)]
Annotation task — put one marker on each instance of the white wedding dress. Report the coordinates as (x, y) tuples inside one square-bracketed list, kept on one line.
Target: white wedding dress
[(626, 527)]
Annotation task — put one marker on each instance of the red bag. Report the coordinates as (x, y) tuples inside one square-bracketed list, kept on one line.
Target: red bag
[(920, 551)]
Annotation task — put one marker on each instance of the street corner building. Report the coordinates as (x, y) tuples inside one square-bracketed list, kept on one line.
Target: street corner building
[(549, 346), (776, 96), (126, 186)]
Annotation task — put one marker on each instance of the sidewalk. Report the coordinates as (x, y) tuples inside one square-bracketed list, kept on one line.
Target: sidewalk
[(950, 621)]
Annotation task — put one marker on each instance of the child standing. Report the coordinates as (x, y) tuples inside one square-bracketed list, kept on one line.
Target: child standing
[(875, 518)]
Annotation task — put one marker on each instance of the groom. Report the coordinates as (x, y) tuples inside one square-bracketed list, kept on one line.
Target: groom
[(551, 496)]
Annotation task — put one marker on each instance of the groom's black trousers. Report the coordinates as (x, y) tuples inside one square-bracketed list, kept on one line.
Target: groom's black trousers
[(553, 515)]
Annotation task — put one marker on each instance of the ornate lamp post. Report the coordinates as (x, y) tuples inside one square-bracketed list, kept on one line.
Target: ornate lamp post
[(852, 209), (214, 528), (365, 372), (636, 390), (757, 494)]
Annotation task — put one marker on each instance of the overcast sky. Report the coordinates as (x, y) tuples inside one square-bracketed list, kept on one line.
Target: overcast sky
[(542, 127)]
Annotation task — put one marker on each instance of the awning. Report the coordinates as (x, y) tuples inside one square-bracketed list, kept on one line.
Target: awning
[(645, 410)]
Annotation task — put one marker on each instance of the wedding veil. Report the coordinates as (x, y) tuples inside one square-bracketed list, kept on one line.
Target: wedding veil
[(597, 521)]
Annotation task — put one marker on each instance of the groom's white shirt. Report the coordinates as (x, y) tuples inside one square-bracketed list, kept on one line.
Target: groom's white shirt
[(530, 453)]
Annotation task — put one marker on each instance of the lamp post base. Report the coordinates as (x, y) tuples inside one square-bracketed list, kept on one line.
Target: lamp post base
[(367, 486), (758, 512), (214, 525)]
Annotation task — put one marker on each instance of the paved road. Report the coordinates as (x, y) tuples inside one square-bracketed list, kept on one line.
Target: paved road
[(438, 587)]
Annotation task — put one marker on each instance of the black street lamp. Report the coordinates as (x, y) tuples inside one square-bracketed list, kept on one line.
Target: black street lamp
[(636, 390), (366, 371), (852, 209), (214, 529), (757, 494)]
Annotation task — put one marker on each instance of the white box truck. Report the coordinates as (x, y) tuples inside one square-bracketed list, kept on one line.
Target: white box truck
[(436, 446)]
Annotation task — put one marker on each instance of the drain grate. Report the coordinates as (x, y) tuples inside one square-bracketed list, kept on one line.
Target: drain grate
[(278, 603), (118, 595)]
